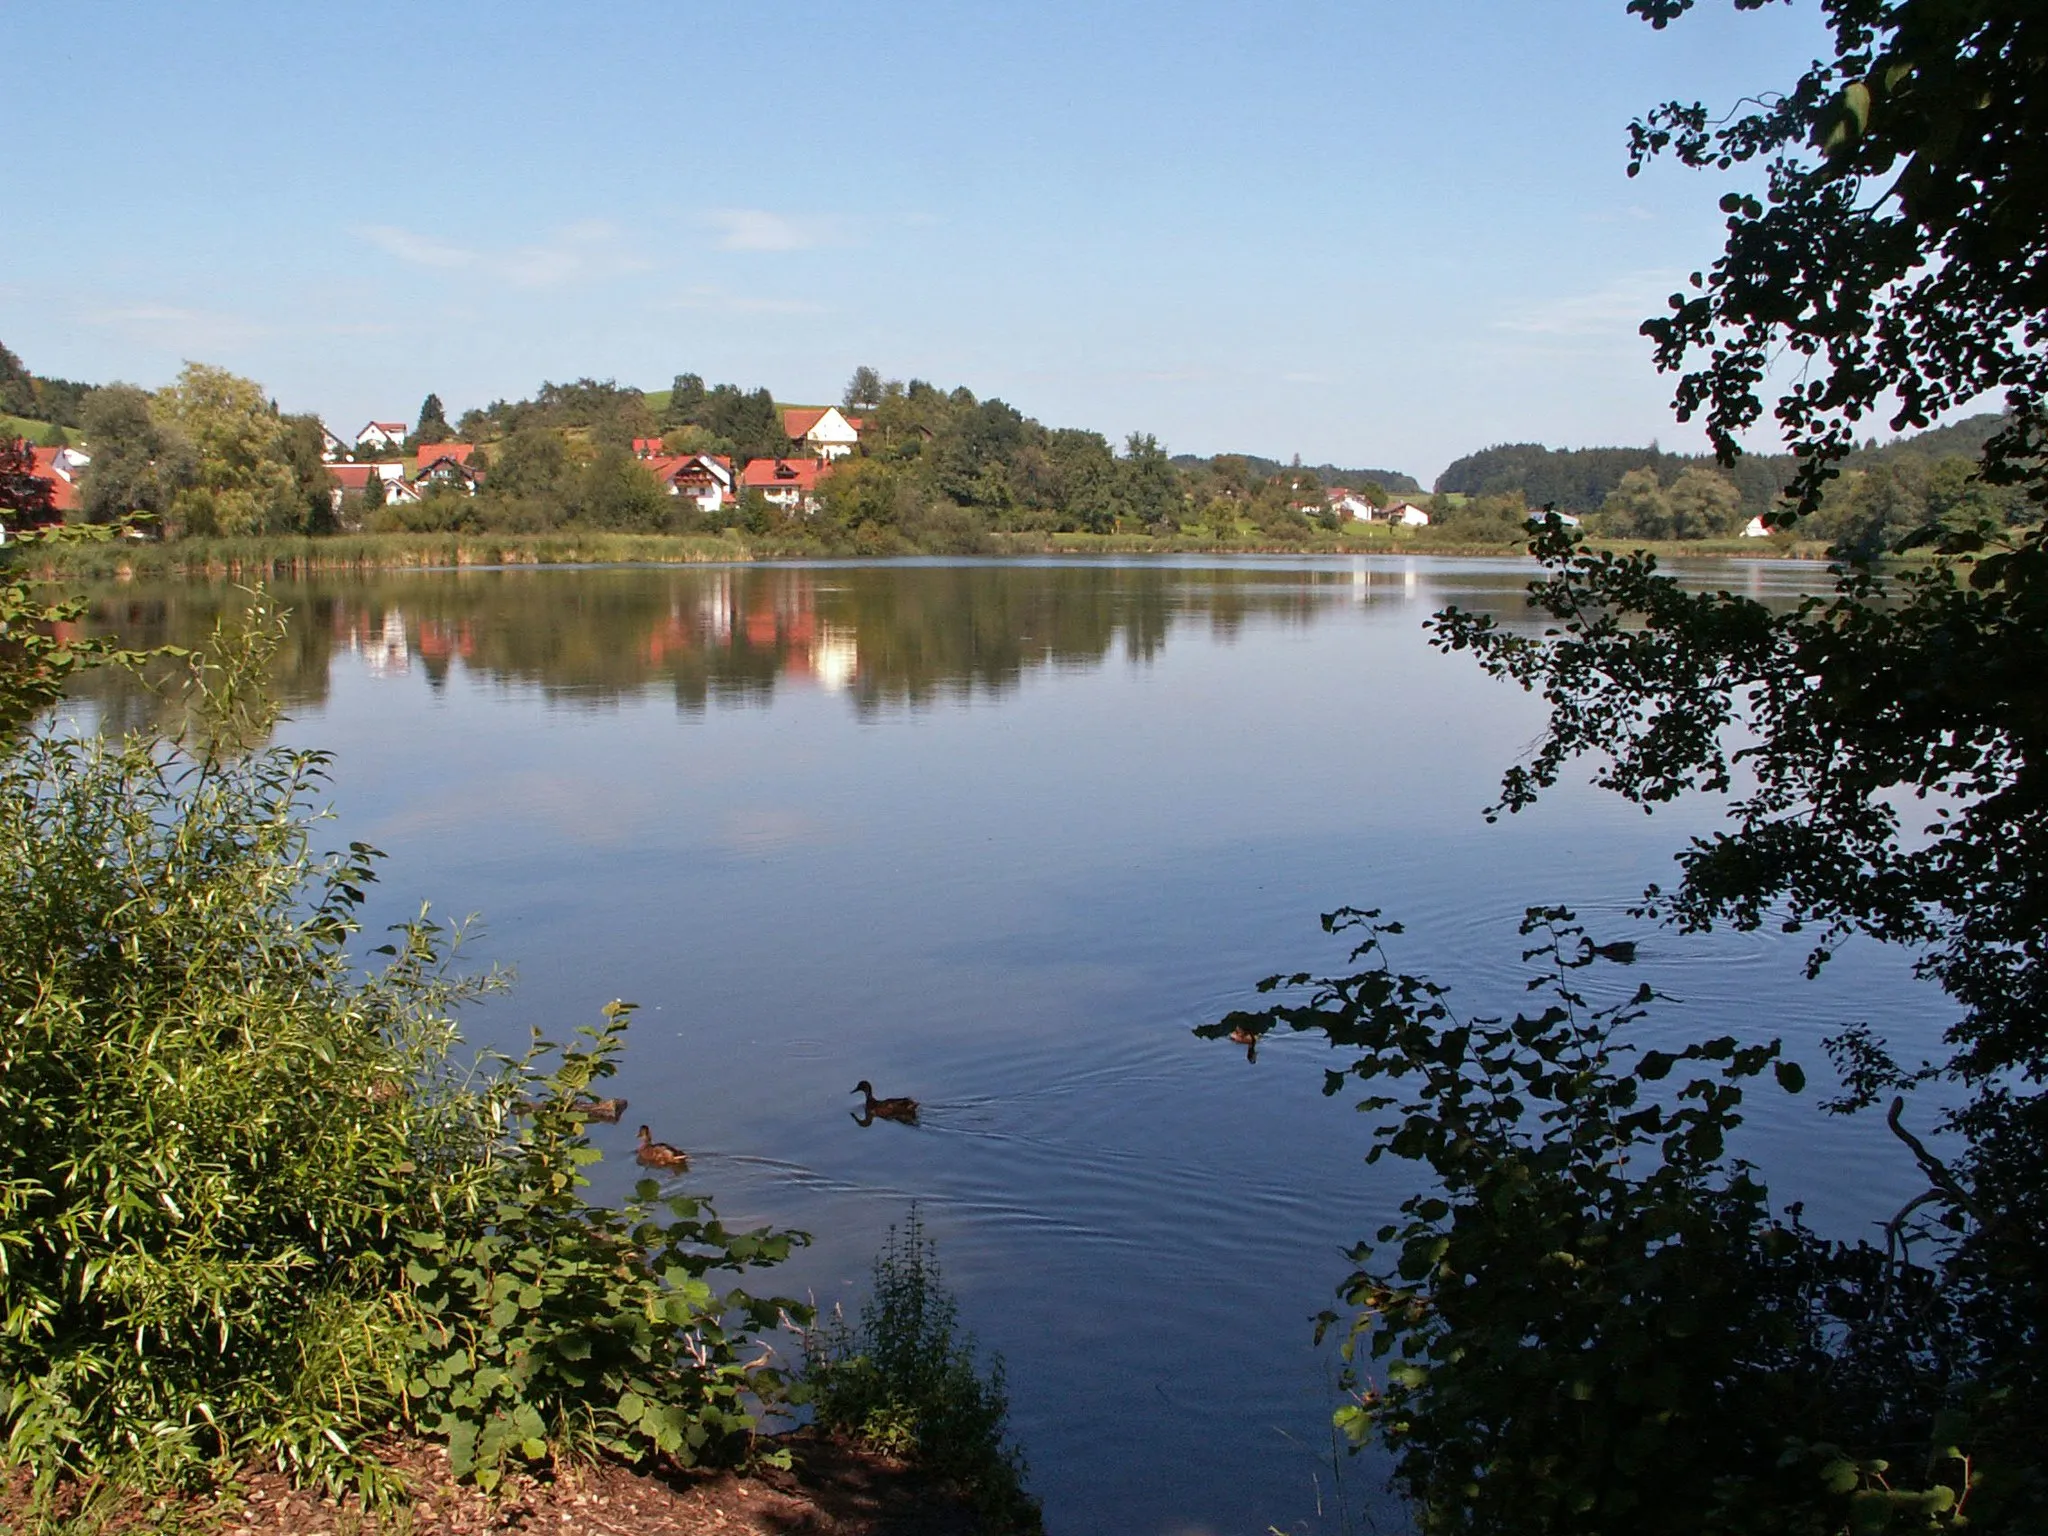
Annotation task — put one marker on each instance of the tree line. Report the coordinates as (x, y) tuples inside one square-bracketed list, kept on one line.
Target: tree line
[(938, 469)]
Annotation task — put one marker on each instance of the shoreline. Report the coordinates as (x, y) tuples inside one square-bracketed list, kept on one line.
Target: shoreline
[(263, 558)]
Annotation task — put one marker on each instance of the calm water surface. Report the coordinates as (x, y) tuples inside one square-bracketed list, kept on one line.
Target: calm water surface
[(999, 837)]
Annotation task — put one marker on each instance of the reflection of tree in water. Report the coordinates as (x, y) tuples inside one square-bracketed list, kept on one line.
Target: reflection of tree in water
[(184, 615), (906, 636)]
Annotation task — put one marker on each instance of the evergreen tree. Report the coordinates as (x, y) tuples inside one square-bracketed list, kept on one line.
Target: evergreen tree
[(433, 427)]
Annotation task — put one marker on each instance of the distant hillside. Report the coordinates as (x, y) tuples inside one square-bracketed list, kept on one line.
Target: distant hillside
[(1966, 437), (25, 395), (1579, 479), (1329, 474)]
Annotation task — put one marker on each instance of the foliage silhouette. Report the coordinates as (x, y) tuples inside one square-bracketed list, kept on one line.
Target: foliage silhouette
[(1589, 1319)]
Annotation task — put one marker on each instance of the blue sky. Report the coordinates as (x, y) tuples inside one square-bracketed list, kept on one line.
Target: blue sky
[(1370, 233)]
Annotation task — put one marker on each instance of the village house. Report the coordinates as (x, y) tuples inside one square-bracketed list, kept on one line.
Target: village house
[(1346, 502), (788, 484), (448, 471), (331, 447), (1407, 515), (1756, 528), (647, 448), (382, 437), (345, 480), (60, 468), (431, 454), (825, 433), (705, 478)]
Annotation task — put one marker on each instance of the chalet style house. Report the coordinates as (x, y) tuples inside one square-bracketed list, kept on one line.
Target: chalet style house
[(823, 433), (381, 437), (790, 485), (705, 478)]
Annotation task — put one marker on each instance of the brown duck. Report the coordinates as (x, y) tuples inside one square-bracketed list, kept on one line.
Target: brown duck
[(607, 1110), (659, 1154), (903, 1111)]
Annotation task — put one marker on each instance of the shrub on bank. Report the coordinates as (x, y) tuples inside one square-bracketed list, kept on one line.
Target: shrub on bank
[(251, 1204), (905, 1382)]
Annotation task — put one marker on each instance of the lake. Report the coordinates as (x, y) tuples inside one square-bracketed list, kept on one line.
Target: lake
[(999, 836)]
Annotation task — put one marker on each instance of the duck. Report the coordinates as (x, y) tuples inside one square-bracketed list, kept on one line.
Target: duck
[(659, 1154), (607, 1110), (1250, 1042), (904, 1111)]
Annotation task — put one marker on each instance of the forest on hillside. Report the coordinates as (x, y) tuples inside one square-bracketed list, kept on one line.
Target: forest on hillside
[(1579, 480)]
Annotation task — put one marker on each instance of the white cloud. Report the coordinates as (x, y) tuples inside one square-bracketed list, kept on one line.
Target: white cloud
[(577, 253), (415, 249), (1615, 309), (756, 229)]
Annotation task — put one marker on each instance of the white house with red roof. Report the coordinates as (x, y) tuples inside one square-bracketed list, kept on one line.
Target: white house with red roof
[(705, 478), (448, 471), (345, 480), (1408, 515), (431, 454), (382, 436), (1346, 502), (824, 431), (60, 468), (790, 484)]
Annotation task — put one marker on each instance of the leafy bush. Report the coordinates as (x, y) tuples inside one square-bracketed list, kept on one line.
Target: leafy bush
[(904, 1382), (250, 1204), (1590, 1319)]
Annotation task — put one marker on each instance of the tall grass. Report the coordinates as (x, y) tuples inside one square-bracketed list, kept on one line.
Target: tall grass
[(905, 1381)]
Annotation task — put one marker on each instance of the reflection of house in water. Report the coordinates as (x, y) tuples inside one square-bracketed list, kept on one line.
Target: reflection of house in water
[(836, 658), (384, 649), (439, 641), (715, 608), (762, 616)]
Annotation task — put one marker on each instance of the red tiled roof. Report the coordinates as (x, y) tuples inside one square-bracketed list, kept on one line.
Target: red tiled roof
[(783, 474), (63, 493), (431, 453), (797, 420), (351, 477), (646, 447)]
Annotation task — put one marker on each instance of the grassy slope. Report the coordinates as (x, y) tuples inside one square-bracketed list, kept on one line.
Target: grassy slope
[(22, 426)]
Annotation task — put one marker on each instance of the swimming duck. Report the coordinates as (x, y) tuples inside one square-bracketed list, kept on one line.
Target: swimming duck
[(903, 1111), (1250, 1042), (659, 1154), (607, 1110)]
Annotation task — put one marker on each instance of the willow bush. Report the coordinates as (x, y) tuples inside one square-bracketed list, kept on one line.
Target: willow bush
[(253, 1204)]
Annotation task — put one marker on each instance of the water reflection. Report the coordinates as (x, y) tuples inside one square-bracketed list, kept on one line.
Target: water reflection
[(1000, 837), (887, 637)]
